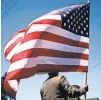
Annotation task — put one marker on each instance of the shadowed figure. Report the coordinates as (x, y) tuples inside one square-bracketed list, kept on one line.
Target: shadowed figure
[(58, 88)]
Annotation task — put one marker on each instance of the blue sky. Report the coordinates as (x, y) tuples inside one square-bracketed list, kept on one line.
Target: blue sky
[(26, 11)]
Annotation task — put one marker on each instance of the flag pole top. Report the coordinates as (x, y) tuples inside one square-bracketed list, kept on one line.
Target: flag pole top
[(88, 1)]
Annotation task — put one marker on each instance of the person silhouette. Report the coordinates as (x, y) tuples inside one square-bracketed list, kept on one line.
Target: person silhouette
[(57, 87)]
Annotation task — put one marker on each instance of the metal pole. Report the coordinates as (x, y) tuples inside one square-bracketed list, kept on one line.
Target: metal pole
[(88, 1), (85, 82)]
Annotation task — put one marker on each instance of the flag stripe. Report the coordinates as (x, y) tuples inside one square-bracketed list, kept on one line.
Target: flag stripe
[(55, 38), (9, 89), (49, 21), (11, 47), (61, 68), (38, 43), (14, 38), (48, 18), (45, 67), (28, 62), (55, 17), (20, 73), (12, 52), (58, 31), (13, 84), (35, 52), (54, 13), (8, 50)]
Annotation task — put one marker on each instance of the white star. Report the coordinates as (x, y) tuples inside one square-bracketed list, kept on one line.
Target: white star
[(79, 19), (87, 26), (73, 14), (86, 18), (69, 9), (86, 33), (84, 21), (71, 17), (85, 14), (69, 26), (68, 20), (76, 30), (67, 12), (64, 15), (81, 24), (81, 32), (84, 28), (71, 23), (78, 27), (64, 24), (82, 16), (81, 11)]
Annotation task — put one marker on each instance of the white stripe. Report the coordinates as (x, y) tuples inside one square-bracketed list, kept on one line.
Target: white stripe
[(12, 52), (56, 17), (32, 62), (13, 84), (58, 31), (38, 43), (13, 40)]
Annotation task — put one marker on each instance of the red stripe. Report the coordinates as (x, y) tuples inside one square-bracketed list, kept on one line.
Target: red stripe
[(21, 73), (9, 90), (17, 74), (8, 50), (19, 32), (35, 52), (61, 68), (54, 38), (49, 21)]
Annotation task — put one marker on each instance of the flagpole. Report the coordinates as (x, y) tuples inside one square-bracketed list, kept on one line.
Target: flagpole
[(85, 83), (85, 77), (88, 1)]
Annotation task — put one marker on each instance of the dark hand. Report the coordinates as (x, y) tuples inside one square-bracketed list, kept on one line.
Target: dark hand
[(86, 87)]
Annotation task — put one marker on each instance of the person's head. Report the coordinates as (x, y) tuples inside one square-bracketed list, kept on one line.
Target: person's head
[(53, 74)]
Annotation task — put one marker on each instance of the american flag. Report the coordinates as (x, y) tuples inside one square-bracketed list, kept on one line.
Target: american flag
[(57, 41)]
